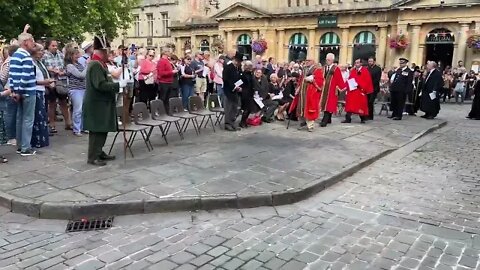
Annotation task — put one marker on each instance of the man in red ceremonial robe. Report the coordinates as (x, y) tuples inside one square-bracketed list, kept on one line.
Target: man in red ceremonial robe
[(329, 93), (309, 95), (359, 86)]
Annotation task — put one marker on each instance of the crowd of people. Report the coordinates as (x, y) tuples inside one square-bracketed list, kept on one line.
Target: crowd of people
[(40, 79)]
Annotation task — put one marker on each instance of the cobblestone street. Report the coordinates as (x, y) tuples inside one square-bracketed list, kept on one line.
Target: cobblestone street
[(417, 208)]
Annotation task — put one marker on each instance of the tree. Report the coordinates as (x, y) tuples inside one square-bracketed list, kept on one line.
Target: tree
[(66, 20)]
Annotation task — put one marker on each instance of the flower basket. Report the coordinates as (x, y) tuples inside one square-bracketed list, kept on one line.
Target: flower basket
[(399, 42), (259, 46), (474, 42)]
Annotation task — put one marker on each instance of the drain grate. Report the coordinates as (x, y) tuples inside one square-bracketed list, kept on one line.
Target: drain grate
[(93, 224)]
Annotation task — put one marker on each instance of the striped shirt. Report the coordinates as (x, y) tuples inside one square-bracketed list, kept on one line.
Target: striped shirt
[(21, 77)]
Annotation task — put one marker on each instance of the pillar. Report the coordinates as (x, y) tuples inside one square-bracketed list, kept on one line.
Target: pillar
[(280, 44), (344, 46), (179, 46), (254, 37), (382, 46), (193, 40), (414, 45), (421, 55), (462, 43), (229, 41), (311, 44)]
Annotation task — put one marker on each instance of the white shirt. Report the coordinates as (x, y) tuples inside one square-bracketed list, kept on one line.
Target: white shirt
[(39, 77)]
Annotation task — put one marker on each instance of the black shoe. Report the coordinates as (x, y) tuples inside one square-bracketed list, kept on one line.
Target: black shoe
[(323, 124), (97, 162), (304, 124), (28, 152), (424, 116), (397, 118), (390, 117), (429, 117), (230, 128), (106, 157), (329, 121), (243, 125), (362, 122), (19, 151), (346, 121)]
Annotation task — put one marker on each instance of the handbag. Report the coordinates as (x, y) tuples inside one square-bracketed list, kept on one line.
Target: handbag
[(254, 121), (61, 86), (149, 79), (459, 87)]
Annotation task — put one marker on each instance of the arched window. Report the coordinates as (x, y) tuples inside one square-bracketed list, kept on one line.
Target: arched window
[(298, 47), (364, 46), (329, 43), (365, 37), (244, 46), (204, 45)]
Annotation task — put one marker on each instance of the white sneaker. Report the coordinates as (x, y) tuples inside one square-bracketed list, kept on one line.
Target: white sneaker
[(12, 142)]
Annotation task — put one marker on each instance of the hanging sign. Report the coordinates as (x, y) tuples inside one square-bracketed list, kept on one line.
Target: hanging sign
[(327, 21)]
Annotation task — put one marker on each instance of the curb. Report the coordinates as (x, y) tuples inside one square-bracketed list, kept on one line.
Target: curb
[(54, 210)]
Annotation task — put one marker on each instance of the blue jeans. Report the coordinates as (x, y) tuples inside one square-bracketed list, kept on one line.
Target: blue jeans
[(76, 96), (187, 91), (221, 94), (25, 118), (11, 118)]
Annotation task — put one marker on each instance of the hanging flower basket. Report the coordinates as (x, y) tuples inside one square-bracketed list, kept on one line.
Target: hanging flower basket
[(474, 42), (399, 42), (259, 46)]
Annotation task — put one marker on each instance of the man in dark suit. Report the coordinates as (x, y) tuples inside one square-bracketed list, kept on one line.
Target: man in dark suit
[(376, 74), (231, 75), (430, 103), (400, 85)]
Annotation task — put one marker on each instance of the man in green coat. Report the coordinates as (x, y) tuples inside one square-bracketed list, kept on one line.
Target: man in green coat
[(99, 105)]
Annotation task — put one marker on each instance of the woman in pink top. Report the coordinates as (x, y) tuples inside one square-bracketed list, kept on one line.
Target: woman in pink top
[(146, 79)]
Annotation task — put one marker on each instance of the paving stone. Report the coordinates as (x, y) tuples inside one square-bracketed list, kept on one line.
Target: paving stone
[(274, 263), (201, 260), (181, 257), (167, 265), (217, 251)]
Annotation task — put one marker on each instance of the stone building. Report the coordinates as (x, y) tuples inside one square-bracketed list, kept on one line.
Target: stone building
[(296, 29)]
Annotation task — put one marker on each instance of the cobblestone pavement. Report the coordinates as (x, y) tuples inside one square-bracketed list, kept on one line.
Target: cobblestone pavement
[(417, 208), (259, 160)]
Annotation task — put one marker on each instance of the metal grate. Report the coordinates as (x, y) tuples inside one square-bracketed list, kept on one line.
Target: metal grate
[(93, 224)]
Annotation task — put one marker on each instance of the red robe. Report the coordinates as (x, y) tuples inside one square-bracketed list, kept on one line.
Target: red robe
[(311, 110), (329, 95), (356, 100)]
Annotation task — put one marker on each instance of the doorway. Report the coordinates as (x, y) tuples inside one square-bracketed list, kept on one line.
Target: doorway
[(439, 47), (440, 53)]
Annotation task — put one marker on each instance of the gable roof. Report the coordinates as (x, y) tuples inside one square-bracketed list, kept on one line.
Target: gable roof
[(257, 12)]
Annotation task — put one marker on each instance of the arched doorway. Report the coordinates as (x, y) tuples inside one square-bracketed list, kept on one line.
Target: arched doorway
[(297, 47), (329, 43), (363, 46), (244, 46), (440, 47), (204, 45)]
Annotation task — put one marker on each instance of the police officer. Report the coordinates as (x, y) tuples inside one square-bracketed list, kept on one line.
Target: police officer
[(400, 85)]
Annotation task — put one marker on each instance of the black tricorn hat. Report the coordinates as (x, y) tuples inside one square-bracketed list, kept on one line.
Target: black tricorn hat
[(100, 43), (238, 56)]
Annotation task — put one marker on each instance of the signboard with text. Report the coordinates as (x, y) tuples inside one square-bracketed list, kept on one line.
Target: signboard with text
[(327, 21)]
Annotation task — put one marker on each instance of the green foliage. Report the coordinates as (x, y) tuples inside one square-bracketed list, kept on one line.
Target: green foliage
[(65, 20)]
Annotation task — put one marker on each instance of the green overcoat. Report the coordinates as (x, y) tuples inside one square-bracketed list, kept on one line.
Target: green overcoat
[(99, 105)]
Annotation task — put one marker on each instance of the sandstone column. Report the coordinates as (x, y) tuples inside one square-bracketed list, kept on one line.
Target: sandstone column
[(311, 44), (462, 43), (382, 45), (414, 45), (344, 46), (280, 43)]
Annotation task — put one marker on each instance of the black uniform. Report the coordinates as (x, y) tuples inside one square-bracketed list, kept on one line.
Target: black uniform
[(433, 82), (231, 74), (475, 111), (248, 103), (376, 74), (401, 85)]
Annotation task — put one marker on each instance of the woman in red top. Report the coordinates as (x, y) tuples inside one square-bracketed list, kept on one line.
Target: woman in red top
[(146, 78)]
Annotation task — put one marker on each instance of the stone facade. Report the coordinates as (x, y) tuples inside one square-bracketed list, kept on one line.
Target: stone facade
[(293, 29)]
